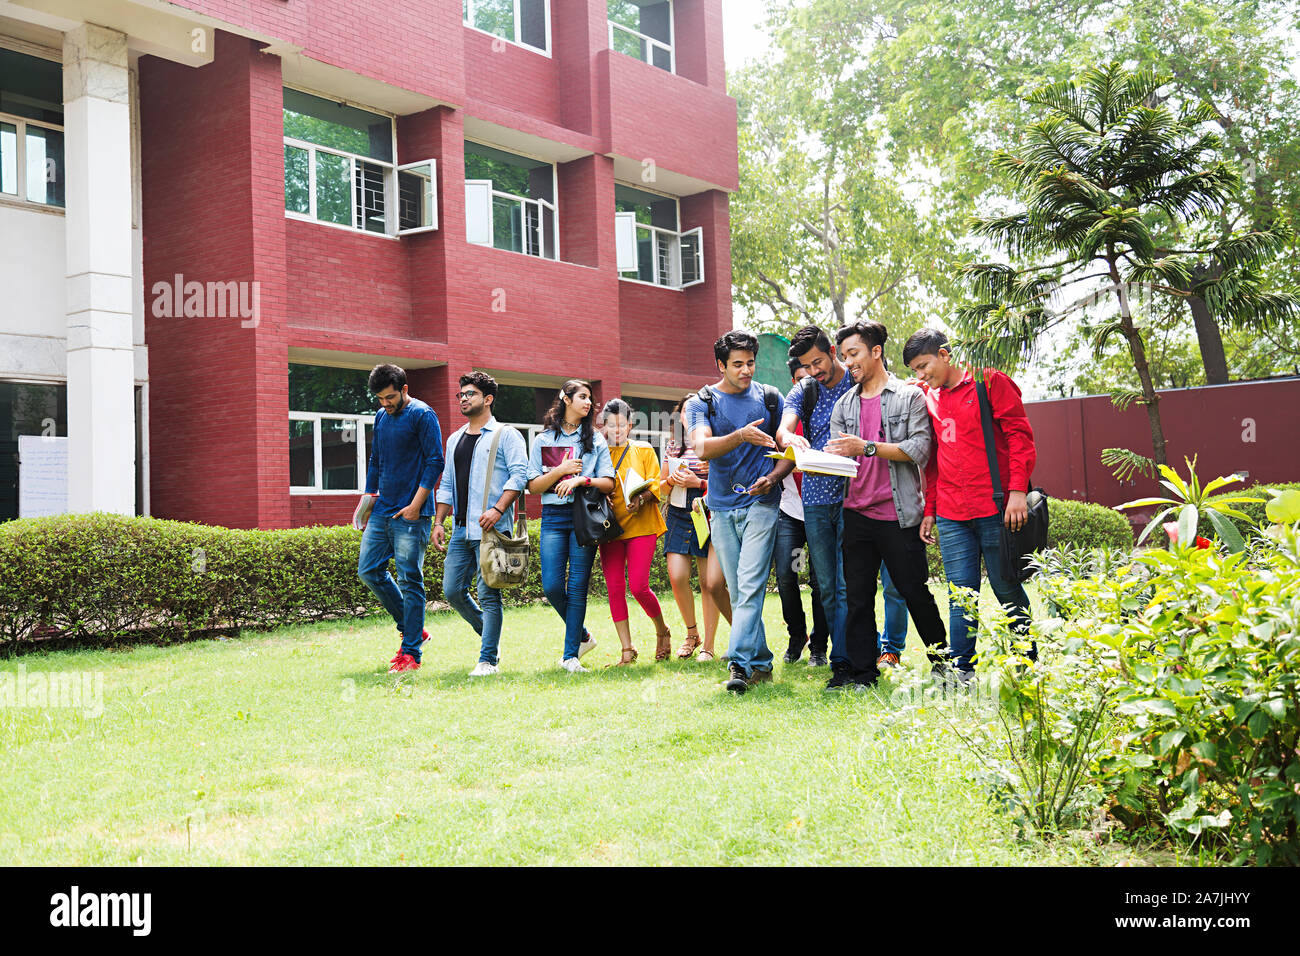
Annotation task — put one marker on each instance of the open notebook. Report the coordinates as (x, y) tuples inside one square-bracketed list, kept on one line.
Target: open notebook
[(633, 484), (819, 462)]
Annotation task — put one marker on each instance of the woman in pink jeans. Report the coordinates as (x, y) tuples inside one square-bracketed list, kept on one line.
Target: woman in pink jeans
[(626, 560)]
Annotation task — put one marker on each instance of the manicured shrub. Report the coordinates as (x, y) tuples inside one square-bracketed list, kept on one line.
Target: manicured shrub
[(1255, 511)]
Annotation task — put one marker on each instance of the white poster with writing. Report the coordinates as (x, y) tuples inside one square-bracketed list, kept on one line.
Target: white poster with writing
[(42, 476)]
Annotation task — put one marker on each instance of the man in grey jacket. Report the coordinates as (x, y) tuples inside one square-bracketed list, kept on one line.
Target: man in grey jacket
[(884, 424)]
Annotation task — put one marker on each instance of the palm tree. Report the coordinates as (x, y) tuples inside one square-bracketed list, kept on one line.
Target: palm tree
[(1111, 184)]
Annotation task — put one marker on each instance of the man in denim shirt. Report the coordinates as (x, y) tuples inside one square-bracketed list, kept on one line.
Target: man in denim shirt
[(884, 424), (405, 464), (461, 495)]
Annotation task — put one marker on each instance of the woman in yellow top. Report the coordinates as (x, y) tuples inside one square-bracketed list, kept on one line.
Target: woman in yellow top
[(626, 560)]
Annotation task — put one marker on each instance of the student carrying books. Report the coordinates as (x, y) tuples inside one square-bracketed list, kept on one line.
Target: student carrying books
[(626, 560)]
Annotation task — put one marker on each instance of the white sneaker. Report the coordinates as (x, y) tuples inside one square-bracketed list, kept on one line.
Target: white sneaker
[(573, 666), (483, 669), (588, 645)]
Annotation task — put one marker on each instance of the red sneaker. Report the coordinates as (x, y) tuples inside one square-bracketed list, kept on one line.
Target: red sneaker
[(404, 663), (398, 656)]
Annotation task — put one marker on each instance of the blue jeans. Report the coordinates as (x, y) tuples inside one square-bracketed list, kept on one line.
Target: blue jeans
[(961, 543), (459, 570), (824, 526), (566, 571), (404, 541), (744, 539), (894, 638)]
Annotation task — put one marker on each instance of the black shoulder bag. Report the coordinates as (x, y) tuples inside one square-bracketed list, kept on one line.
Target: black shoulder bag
[(593, 515), (1017, 546)]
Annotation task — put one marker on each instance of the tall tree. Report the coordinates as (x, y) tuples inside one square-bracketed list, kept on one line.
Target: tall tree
[(938, 83), (1113, 187), (825, 227)]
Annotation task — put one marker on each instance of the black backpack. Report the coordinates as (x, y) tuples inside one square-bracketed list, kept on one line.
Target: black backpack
[(772, 401), (807, 404)]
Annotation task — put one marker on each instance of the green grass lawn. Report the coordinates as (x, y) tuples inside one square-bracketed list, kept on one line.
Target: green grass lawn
[(296, 747)]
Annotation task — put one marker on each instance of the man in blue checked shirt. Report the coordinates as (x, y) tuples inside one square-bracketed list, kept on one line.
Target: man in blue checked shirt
[(461, 495), (405, 465)]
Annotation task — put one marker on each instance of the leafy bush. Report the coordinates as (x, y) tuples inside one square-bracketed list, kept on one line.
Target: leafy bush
[(1168, 686), (1081, 524), (110, 576), (1254, 511)]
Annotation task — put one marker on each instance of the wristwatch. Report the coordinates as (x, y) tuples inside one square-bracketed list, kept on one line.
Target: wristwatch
[(868, 448)]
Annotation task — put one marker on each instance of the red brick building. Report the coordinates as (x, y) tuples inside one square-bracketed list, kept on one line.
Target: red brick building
[(537, 188)]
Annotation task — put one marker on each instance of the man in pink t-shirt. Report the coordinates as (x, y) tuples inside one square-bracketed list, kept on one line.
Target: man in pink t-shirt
[(884, 424)]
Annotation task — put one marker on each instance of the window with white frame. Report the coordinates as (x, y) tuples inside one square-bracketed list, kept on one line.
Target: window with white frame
[(524, 22), (650, 244), (643, 29), (510, 201), (32, 165), (339, 169), (331, 429)]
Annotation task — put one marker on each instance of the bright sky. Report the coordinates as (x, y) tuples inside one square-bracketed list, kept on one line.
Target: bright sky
[(742, 34)]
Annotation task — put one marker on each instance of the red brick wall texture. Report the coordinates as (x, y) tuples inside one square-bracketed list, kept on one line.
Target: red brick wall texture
[(213, 211)]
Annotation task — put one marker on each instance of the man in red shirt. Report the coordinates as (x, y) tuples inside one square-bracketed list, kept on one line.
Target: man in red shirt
[(959, 489)]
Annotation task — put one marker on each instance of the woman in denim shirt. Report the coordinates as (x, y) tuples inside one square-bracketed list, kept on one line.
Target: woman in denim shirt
[(568, 454)]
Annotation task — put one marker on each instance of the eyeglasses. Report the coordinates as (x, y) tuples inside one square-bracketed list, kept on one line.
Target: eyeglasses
[(468, 393)]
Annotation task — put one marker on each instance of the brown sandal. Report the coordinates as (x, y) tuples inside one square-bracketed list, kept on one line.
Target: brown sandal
[(624, 660), (690, 644), (664, 646)]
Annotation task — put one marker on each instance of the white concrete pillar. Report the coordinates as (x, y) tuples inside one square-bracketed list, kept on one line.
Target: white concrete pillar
[(101, 359)]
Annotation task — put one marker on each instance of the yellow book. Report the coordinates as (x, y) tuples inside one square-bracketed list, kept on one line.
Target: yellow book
[(700, 521)]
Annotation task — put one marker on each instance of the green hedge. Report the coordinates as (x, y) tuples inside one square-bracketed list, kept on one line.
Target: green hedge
[(1080, 524), (110, 576), (1256, 511)]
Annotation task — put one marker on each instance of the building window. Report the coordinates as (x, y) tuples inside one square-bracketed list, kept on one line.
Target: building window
[(651, 246), (331, 429), (525, 22), (510, 201), (643, 29), (31, 129), (339, 169)]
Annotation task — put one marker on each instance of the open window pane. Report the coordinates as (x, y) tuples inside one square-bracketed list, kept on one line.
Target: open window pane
[(415, 205), (9, 159), (520, 212), (297, 180), (334, 188), (337, 126), (370, 198), (302, 454), (692, 257), (478, 212), (625, 241), (44, 166)]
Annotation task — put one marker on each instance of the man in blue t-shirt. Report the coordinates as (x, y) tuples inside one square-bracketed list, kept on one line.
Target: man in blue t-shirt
[(823, 495), (733, 425), (405, 465)]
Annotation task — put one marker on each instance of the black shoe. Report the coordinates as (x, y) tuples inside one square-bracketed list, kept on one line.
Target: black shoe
[(736, 682), (760, 675), (795, 650), (862, 684), (841, 678), (817, 659)]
